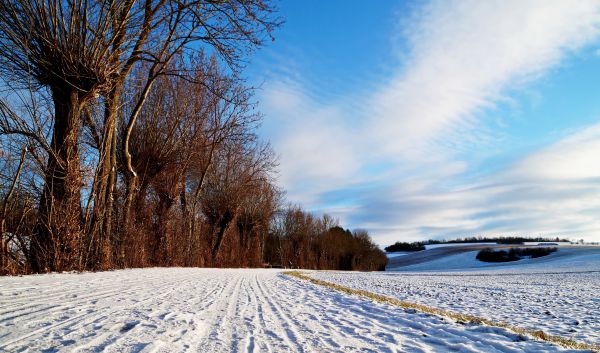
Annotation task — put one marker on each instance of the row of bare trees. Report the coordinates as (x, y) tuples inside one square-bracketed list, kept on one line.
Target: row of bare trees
[(127, 137), (300, 240)]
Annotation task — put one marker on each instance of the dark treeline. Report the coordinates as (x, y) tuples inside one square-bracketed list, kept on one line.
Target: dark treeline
[(513, 254), (128, 137), (499, 240), (401, 246), (300, 240), (420, 245)]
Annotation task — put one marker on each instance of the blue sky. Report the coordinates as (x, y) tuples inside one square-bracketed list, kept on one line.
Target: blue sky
[(438, 119)]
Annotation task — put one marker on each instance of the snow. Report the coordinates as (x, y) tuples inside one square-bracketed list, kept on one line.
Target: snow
[(558, 293), (396, 254), (246, 310), (445, 245), (549, 243), (564, 259)]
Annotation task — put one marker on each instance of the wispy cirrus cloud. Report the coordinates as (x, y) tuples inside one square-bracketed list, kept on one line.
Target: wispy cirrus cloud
[(464, 56), (393, 159), (553, 191)]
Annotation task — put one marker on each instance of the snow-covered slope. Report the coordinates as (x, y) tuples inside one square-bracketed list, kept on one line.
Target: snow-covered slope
[(566, 259), (212, 310), (558, 293)]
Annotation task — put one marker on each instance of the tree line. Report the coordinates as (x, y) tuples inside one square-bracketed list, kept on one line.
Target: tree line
[(499, 240), (514, 240), (128, 135), (513, 254), (403, 246), (300, 240)]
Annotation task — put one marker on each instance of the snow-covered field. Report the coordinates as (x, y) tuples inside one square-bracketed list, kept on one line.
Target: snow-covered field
[(215, 310), (396, 254), (566, 259), (559, 293), (445, 245)]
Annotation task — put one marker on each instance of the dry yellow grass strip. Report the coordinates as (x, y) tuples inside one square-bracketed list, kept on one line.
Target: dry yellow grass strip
[(541, 335)]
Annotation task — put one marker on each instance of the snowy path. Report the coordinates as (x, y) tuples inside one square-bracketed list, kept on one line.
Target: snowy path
[(210, 310)]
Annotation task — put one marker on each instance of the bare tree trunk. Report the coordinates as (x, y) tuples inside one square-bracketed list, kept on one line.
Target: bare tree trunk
[(55, 243), (106, 197), (4, 251), (131, 175), (110, 198), (160, 251), (223, 224), (102, 242)]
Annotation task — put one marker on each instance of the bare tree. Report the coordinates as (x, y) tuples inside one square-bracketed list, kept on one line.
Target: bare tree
[(24, 149), (84, 51), (229, 28), (194, 144), (5, 239), (52, 43), (298, 239)]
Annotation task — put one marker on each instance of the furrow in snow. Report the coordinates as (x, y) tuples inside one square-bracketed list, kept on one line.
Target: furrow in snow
[(212, 310)]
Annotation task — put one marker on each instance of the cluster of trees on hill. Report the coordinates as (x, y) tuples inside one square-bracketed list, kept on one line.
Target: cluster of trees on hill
[(401, 246), (420, 245), (499, 240), (300, 240), (513, 254), (128, 138)]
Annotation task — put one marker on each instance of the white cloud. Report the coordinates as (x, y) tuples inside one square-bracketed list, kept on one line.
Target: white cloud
[(465, 57), (554, 191), (576, 157), (307, 138)]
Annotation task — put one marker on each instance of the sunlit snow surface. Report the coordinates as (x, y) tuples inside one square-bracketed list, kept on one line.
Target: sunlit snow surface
[(559, 294), (213, 310)]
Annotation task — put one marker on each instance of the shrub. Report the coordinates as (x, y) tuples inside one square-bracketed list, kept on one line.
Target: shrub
[(398, 246), (491, 255), (537, 252), (514, 254)]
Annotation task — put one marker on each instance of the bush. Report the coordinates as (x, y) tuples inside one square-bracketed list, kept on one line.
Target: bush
[(398, 246), (537, 252), (514, 254), (491, 255)]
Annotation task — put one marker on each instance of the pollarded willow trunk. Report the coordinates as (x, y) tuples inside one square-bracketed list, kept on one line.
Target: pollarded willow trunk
[(116, 241), (101, 242), (131, 177), (222, 225), (56, 242), (161, 252)]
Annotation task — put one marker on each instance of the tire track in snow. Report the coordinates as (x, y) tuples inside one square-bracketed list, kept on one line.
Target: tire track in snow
[(64, 297), (224, 306), (179, 313), (268, 305), (76, 323), (341, 320), (80, 321), (211, 310)]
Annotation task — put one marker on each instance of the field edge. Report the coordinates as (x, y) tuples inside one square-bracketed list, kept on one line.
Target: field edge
[(464, 318)]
